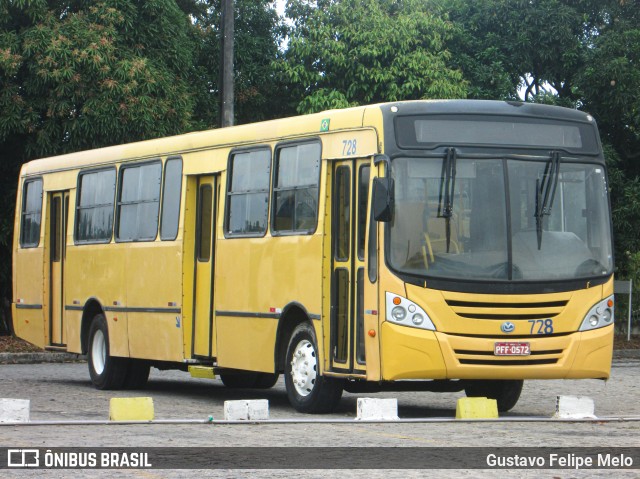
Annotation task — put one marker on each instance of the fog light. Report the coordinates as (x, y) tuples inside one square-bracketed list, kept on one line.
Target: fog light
[(399, 313), (593, 320), (417, 319)]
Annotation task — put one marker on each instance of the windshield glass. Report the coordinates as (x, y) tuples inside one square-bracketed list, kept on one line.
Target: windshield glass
[(455, 219)]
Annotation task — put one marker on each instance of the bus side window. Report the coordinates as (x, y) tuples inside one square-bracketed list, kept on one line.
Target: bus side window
[(139, 202), (295, 191), (31, 214), (248, 193), (171, 199), (94, 218)]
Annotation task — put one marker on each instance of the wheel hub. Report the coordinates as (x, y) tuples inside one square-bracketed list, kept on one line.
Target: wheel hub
[(304, 368), (98, 352)]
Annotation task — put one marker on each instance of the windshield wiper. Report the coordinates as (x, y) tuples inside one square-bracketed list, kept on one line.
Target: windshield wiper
[(448, 185), (546, 192)]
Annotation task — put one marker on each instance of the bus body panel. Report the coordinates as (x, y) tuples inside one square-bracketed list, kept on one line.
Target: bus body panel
[(256, 280), (99, 273), (410, 353), (159, 311)]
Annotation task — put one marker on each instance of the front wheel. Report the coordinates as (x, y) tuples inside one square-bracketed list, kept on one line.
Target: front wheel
[(307, 390), (505, 392), (106, 371)]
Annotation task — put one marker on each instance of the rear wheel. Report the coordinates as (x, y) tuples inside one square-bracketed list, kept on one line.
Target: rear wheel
[(505, 392), (307, 390), (106, 371)]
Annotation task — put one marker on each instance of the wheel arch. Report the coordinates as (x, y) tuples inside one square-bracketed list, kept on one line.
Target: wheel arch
[(91, 308), (292, 315)]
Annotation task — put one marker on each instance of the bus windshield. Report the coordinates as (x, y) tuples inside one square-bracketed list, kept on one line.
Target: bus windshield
[(488, 219)]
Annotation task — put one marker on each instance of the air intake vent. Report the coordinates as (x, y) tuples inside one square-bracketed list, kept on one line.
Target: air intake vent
[(509, 362), (507, 311)]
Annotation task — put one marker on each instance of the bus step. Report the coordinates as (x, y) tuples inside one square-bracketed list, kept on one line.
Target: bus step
[(204, 372)]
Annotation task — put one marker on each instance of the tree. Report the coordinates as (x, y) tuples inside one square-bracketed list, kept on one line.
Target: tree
[(350, 52), (82, 74), (535, 46)]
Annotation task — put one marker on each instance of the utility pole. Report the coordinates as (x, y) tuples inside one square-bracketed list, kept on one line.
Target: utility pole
[(226, 71)]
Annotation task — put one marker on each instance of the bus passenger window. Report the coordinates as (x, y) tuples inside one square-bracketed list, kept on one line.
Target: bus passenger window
[(31, 214), (248, 193), (295, 192), (94, 218), (171, 199), (139, 202)]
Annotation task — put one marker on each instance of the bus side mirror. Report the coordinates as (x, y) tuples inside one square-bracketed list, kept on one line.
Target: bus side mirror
[(383, 199)]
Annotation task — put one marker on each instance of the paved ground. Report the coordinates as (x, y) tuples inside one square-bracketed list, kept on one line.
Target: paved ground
[(63, 391)]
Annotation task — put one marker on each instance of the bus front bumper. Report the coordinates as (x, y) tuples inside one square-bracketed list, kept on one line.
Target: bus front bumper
[(410, 353)]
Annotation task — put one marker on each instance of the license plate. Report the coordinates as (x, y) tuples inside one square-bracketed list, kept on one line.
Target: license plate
[(511, 349)]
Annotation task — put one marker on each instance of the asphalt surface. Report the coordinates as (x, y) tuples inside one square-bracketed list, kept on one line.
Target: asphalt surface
[(63, 392)]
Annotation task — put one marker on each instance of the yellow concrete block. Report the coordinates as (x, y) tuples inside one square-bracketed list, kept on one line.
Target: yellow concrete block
[(131, 409), (476, 408), (203, 372)]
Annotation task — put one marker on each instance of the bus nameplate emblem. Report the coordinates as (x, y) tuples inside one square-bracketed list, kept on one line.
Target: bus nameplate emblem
[(507, 327)]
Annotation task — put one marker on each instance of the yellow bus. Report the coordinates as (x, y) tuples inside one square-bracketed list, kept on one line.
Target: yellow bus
[(427, 245)]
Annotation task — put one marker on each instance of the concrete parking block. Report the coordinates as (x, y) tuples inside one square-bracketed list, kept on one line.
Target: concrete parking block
[(131, 409), (476, 408), (370, 409), (575, 407), (14, 410), (246, 410)]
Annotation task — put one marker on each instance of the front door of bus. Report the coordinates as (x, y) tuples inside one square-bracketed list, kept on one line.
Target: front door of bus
[(349, 214), (58, 212), (203, 332)]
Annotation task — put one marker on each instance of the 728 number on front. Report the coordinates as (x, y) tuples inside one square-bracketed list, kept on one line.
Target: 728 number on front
[(541, 326)]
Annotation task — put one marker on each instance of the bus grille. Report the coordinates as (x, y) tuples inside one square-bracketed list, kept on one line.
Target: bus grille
[(507, 311)]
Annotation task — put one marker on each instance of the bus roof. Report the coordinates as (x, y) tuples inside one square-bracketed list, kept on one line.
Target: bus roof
[(290, 128)]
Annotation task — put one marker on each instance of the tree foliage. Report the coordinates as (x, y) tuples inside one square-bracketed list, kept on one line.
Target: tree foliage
[(80, 74), (87, 74), (258, 34), (350, 52)]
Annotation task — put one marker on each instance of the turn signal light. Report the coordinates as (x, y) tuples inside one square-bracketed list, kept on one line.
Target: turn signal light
[(372, 333)]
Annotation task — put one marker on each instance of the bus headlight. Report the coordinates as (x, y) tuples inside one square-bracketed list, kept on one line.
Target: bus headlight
[(600, 315), (407, 313), (399, 313)]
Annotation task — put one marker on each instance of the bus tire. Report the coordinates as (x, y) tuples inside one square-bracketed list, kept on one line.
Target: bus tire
[(106, 371), (506, 392), (137, 375), (307, 390)]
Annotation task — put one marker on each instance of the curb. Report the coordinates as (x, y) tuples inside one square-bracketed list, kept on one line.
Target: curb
[(44, 357), (50, 357), (626, 354)]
